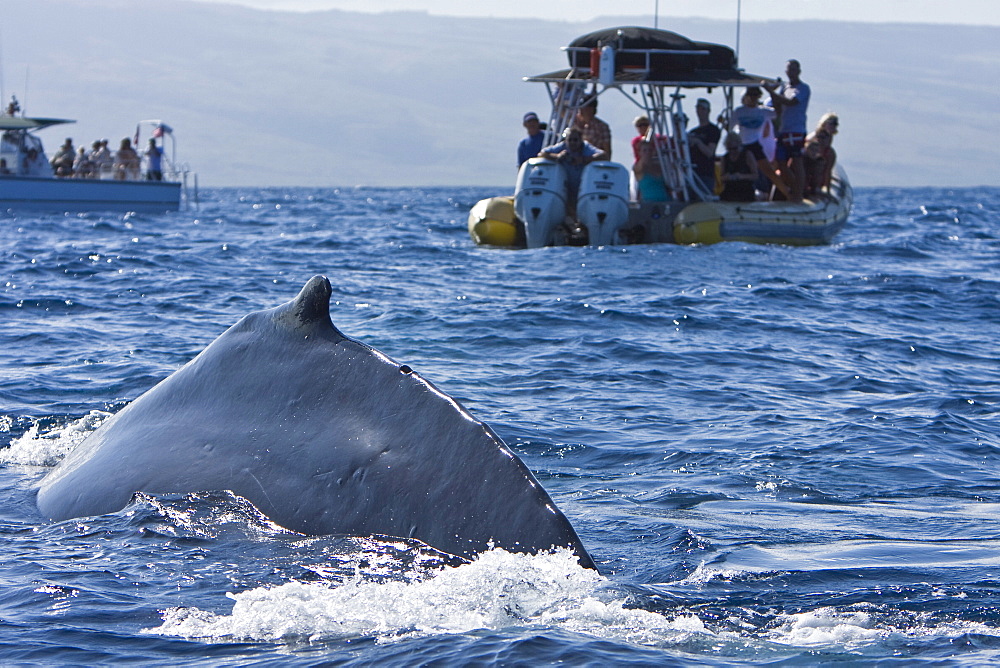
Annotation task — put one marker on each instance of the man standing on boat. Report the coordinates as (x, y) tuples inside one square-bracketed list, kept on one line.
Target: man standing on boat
[(531, 145), (595, 131), (154, 162), (791, 100), (703, 141)]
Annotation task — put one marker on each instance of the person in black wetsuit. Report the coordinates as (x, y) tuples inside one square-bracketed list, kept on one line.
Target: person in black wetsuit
[(739, 172)]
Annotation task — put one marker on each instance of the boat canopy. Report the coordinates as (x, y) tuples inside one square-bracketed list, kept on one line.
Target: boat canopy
[(22, 123), (652, 56)]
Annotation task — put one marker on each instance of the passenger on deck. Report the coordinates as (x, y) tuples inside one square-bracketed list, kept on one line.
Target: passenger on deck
[(83, 166), (595, 131), (649, 174), (126, 162), (154, 162), (62, 161), (819, 154), (531, 145), (573, 153), (750, 118), (641, 124), (791, 100), (34, 164), (101, 157), (4, 169), (739, 171), (703, 141)]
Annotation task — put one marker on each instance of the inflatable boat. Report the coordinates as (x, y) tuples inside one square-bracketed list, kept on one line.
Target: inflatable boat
[(656, 70)]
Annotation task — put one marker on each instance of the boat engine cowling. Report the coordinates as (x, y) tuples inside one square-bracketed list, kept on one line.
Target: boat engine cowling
[(540, 200), (602, 206)]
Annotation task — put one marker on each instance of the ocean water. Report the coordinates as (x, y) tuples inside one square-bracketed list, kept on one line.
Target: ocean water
[(776, 455)]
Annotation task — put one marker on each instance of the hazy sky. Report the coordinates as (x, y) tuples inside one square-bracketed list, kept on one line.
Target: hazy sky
[(976, 12)]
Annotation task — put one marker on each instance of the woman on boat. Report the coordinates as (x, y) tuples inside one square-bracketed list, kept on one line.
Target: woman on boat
[(35, 164), (126, 162), (83, 166), (649, 174), (739, 171), (819, 154), (750, 118)]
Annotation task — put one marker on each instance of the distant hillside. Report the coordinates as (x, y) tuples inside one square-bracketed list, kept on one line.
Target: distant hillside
[(340, 98)]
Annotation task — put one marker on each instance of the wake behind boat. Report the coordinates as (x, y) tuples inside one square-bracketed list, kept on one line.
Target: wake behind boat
[(133, 178), (655, 70)]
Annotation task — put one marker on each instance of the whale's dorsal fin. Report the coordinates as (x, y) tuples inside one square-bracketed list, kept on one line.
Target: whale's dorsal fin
[(310, 310)]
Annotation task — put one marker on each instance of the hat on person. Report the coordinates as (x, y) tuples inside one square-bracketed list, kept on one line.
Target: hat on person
[(530, 116), (702, 102)]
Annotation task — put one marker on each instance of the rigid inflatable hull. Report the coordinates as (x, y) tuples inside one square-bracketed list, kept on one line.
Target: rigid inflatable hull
[(807, 223), (492, 223)]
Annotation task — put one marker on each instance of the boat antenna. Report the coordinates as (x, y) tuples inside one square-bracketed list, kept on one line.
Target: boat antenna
[(656, 14), (738, 14)]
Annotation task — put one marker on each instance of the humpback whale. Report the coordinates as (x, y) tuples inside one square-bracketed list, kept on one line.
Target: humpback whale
[(323, 434)]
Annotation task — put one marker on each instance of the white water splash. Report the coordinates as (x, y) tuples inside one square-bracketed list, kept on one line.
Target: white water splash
[(39, 447), (496, 591), (865, 625), (828, 627)]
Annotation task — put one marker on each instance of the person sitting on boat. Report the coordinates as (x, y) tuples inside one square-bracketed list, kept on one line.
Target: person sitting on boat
[(791, 100), (531, 145), (9, 143), (595, 131), (126, 162), (4, 169), (739, 171), (101, 157), (35, 164), (649, 174), (573, 153), (750, 118), (83, 166), (62, 161), (154, 162), (819, 154), (704, 140)]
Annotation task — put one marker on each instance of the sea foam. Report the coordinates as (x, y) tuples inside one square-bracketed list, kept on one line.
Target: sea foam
[(497, 591)]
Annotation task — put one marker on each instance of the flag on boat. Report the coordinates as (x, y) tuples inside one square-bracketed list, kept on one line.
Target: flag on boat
[(162, 129)]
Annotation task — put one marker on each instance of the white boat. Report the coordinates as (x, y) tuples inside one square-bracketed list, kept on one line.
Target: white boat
[(28, 180), (656, 70)]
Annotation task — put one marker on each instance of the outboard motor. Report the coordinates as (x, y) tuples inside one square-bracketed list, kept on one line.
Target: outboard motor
[(540, 200), (602, 206)]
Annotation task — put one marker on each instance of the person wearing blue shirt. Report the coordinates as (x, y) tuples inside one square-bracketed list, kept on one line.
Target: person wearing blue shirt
[(573, 153), (154, 158), (531, 145), (791, 100)]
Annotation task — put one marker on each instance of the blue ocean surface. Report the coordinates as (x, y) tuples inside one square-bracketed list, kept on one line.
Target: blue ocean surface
[(776, 455)]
